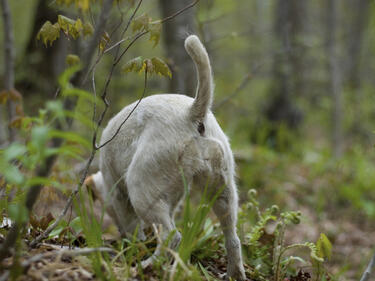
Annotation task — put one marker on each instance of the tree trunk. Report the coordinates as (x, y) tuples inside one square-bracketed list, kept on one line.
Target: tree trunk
[(334, 76), (44, 64), (9, 64), (357, 26), (183, 74), (287, 68)]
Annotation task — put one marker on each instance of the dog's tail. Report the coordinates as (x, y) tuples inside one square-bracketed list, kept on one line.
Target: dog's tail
[(203, 97)]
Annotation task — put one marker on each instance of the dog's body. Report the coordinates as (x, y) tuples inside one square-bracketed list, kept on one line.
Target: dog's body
[(166, 138)]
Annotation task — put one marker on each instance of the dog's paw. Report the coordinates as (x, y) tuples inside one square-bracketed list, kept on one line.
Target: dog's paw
[(236, 273)]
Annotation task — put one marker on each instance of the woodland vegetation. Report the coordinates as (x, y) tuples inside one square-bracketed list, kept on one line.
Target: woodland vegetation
[(295, 93)]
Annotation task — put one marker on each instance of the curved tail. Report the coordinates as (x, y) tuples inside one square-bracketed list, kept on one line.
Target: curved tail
[(204, 95)]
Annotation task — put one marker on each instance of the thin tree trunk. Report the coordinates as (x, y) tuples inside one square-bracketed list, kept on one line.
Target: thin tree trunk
[(175, 31), (282, 107), (357, 26), (335, 77), (9, 63)]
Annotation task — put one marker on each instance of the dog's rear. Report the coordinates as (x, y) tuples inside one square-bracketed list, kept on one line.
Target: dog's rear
[(140, 169)]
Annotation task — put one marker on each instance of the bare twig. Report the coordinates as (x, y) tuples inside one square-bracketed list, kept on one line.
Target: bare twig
[(179, 12), (9, 63), (130, 113), (370, 267), (104, 15), (240, 87)]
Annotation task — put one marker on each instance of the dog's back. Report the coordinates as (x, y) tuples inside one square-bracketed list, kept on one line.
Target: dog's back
[(165, 120)]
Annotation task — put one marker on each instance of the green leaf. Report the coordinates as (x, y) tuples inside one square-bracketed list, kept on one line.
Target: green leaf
[(18, 213), (65, 23), (15, 150), (11, 173), (76, 225), (59, 228), (69, 26), (67, 75), (55, 107), (39, 136), (71, 137), (135, 65), (83, 4), (88, 29), (160, 67), (44, 181), (72, 60), (141, 22), (324, 247), (49, 33), (81, 94), (155, 30), (104, 41)]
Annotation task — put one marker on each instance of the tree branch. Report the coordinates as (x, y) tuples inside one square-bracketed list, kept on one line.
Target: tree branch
[(58, 253), (179, 12), (130, 113)]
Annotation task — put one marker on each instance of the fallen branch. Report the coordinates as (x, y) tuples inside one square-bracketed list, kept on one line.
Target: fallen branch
[(58, 253)]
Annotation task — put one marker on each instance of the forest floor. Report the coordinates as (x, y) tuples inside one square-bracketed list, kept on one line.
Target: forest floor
[(349, 230)]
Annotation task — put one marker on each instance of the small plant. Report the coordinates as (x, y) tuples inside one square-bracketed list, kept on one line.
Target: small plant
[(265, 249)]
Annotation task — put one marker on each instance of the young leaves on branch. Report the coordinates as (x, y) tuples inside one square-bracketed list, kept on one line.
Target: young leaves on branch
[(154, 66), (49, 33), (144, 23), (73, 28), (69, 26)]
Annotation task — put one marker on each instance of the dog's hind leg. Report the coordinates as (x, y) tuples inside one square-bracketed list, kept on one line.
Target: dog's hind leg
[(154, 202), (225, 208), (114, 197)]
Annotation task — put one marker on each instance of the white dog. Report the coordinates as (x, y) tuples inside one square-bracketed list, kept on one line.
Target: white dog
[(140, 169)]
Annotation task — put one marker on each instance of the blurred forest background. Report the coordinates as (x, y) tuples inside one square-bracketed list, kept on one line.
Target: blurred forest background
[(295, 93)]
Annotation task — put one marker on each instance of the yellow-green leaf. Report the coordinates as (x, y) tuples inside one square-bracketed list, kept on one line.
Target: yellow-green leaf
[(49, 32), (324, 246), (155, 30), (4, 95), (83, 4), (160, 67), (72, 60), (149, 65), (135, 65), (88, 29), (69, 26), (141, 22), (65, 23), (104, 41), (77, 28)]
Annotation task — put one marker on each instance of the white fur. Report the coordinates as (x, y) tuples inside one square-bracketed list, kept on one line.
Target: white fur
[(140, 169)]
